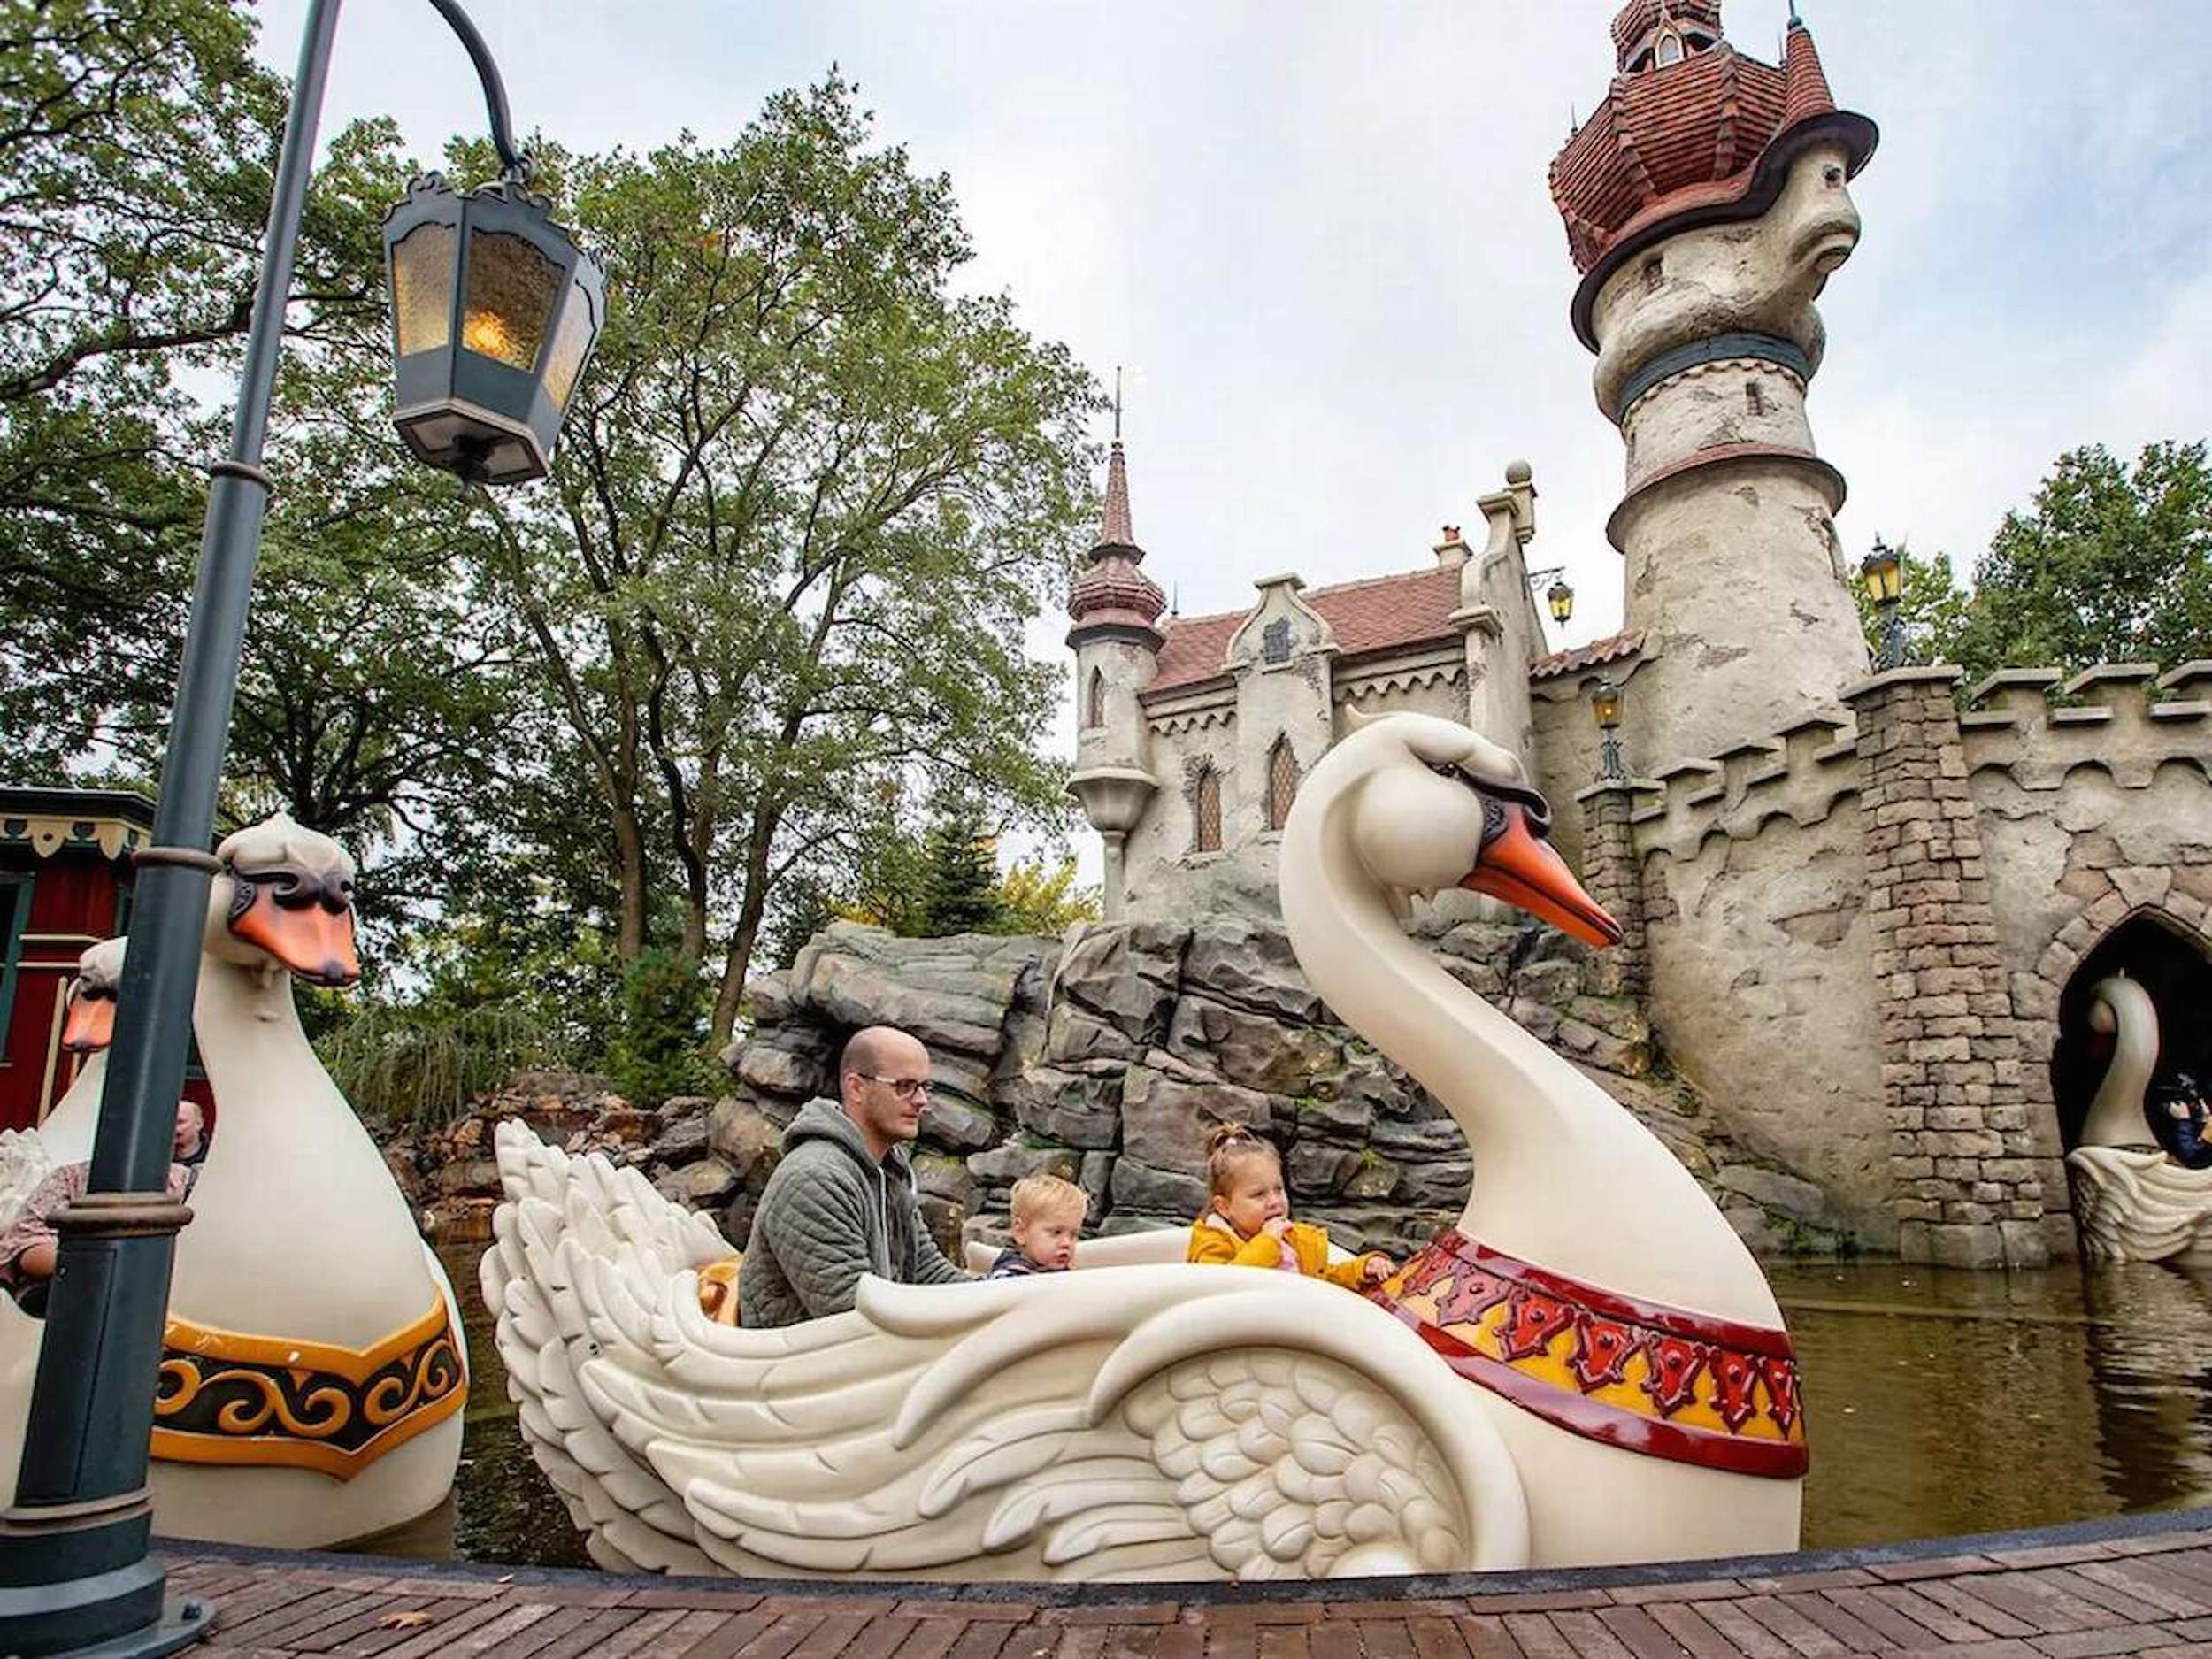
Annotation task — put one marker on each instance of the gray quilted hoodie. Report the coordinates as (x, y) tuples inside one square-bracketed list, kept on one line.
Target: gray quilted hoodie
[(830, 1213)]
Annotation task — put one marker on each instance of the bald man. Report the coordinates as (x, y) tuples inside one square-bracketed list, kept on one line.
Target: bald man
[(842, 1203)]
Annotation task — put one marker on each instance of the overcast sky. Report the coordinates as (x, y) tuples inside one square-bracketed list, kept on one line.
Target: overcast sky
[(1318, 232)]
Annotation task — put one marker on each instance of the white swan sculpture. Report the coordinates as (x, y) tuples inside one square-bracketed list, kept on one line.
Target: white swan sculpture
[(2132, 1202), (314, 1371), (27, 1156), (1174, 1422)]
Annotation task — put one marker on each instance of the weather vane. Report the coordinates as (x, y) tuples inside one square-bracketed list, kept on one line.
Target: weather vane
[(1117, 403)]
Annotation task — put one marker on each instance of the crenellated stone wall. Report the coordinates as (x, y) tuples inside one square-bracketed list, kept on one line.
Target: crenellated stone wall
[(1861, 931)]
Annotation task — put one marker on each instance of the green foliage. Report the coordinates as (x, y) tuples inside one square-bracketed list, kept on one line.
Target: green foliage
[(959, 878), (2108, 565), (423, 1064), (808, 498), (1034, 898), (947, 880), (136, 139), (658, 1048)]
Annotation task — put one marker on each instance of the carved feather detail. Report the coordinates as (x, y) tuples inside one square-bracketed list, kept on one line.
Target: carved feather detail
[(1165, 1422)]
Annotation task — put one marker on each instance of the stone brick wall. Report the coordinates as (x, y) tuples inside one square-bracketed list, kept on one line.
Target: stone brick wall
[(1969, 1191), (1612, 873)]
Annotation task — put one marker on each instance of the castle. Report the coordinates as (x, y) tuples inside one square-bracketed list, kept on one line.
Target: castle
[(1864, 913)]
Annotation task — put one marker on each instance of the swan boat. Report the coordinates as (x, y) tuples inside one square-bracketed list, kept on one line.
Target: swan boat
[(27, 1156), (1589, 1368), (314, 1371), (2132, 1201)]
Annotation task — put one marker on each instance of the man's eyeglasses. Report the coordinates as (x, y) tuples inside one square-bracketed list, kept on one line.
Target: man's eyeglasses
[(912, 1088)]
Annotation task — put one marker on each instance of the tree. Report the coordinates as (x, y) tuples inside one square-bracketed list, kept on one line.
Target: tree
[(137, 139), (2108, 565), (807, 498), (959, 876), (1035, 898)]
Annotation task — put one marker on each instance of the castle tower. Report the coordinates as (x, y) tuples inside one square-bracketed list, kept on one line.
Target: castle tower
[(1706, 204), (1117, 643)]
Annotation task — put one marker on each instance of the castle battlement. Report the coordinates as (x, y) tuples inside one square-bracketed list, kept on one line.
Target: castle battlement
[(1801, 773), (2127, 719)]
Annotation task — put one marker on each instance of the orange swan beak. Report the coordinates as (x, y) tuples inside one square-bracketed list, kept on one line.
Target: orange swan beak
[(306, 934), (1520, 867), (91, 1023)]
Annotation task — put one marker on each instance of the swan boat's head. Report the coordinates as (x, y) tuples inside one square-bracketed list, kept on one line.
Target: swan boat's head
[(1424, 804), (90, 1024), (285, 896)]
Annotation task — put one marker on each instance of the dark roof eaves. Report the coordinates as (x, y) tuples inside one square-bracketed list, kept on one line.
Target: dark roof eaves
[(1859, 135)]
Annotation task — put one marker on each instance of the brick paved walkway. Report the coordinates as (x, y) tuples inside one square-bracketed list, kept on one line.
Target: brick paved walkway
[(2073, 1591)]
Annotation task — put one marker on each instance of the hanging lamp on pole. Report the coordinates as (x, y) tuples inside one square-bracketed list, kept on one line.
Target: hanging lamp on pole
[(518, 307), (495, 312)]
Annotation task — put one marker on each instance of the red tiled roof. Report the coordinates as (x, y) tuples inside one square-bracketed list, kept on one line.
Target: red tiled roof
[(1660, 132), (1611, 648), (1640, 17), (1808, 93), (1381, 613), (1193, 649), (1689, 135)]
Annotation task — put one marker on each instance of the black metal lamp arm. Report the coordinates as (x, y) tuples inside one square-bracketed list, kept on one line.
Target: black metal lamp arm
[(516, 162)]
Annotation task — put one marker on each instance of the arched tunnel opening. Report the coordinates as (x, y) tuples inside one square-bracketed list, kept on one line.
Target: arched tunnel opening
[(2174, 966)]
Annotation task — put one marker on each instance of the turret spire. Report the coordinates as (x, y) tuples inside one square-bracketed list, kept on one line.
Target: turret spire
[(1114, 530), (1113, 593)]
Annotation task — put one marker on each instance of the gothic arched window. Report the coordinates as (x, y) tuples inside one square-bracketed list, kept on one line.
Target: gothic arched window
[(1206, 809), (1094, 708), (1669, 50), (1282, 783)]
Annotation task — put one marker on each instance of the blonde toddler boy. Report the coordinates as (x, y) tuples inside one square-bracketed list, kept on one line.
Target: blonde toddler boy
[(1048, 1215)]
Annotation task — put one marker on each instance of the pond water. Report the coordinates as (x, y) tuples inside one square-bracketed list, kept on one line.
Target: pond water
[(1939, 1402)]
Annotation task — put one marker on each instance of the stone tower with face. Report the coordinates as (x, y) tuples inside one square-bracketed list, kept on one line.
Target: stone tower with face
[(1706, 203)]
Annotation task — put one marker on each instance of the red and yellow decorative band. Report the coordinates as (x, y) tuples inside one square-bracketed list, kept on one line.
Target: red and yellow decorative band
[(1648, 1379), (226, 1397)]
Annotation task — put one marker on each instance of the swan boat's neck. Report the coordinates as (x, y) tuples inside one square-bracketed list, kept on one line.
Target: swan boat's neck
[(2115, 1116), (1564, 1179)]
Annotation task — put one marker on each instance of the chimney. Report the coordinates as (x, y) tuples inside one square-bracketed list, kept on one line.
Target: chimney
[(1451, 552)]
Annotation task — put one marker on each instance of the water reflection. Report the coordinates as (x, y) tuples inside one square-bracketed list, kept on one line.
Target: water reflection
[(1940, 1401), (1946, 1402), (503, 1508)]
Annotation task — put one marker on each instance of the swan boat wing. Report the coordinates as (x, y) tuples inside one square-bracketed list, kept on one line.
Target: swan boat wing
[(1153, 1421)]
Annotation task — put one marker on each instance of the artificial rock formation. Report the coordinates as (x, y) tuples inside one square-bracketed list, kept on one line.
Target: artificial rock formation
[(1117, 1052)]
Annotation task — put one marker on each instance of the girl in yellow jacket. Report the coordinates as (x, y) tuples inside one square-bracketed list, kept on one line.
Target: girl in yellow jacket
[(1247, 1223)]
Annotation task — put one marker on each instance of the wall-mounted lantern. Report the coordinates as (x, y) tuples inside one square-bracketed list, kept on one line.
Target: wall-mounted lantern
[(1883, 574), (1605, 707)]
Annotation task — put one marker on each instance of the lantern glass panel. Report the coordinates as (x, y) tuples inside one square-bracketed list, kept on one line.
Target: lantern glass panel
[(422, 288), (511, 288), (1605, 702), (572, 340), (1562, 602)]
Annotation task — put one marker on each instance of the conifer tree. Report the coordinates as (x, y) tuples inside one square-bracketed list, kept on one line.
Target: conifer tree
[(960, 877)]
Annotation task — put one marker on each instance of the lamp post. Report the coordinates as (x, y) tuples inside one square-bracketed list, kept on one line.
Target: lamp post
[(1882, 573), (1605, 706), (74, 1574)]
